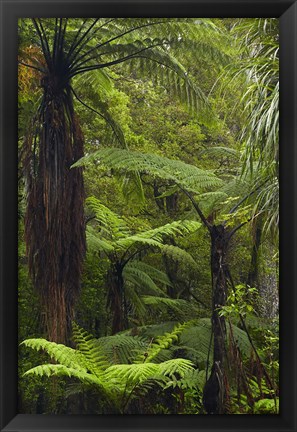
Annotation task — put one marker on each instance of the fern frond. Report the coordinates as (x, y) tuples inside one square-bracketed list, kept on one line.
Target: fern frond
[(221, 151), (92, 351), (175, 366), (179, 255), (152, 271), (121, 348), (95, 243), (112, 225), (165, 341), (185, 175), (143, 280), (155, 236), (180, 307), (64, 355), (192, 379), (61, 370)]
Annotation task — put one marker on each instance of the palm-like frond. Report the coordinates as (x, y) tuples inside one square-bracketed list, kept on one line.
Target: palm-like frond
[(156, 236), (132, 273), (185, 175), (62, 354), (122, 348), (113, 226), (259, 65), (115, 234), (88, 346), (117, 381), (182, 308)]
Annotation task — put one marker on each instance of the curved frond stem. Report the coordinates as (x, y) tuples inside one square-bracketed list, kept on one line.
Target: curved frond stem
[(133, 254), (62, 36), (118, 37), (44, 35), (96, 112), (231, 234), (46, 52), (73, 44), (31, 66), (246, 197), (78, 43), (114, 62), (197, 208), (88, 39), (55, 37)]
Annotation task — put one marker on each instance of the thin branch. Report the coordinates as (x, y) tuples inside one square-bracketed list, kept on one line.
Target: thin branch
[(32, 67), (246, 197), (197, 208), (231, 234), (198, 300)]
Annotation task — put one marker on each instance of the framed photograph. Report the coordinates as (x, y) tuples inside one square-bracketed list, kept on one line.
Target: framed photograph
[(148, 215)]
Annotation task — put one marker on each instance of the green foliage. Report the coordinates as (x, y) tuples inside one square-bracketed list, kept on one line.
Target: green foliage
[(153, 140), (184, 175), (117, 382), (240, 302)]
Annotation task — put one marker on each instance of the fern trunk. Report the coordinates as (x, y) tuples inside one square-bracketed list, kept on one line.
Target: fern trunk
[(54, 221), (215, 390), (117, 299)]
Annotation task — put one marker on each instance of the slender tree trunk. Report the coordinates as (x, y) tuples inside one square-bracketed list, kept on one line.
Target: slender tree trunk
[(252, 278), (215, 390), (117, 298)]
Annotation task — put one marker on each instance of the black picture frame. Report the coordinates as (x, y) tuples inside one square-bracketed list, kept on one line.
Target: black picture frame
[(286, 11)]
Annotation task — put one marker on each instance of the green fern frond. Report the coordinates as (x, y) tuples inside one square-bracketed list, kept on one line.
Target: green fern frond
[(138, 373), (221, 151), (61, 370), (179, 255), (165, 341), (121, 348), (112, 225), (192, 379), (155, 236), (64, 355), (92, 351), (95, 243), (175, 366), (185, 175), (152, 271), (180, 307), (144, 281)]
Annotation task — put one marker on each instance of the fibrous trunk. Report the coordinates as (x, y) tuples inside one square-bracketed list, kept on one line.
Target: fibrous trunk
[(54, 221), (215, 390)]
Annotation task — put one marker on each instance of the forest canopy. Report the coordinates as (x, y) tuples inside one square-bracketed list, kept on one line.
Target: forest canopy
[(148, 215)]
